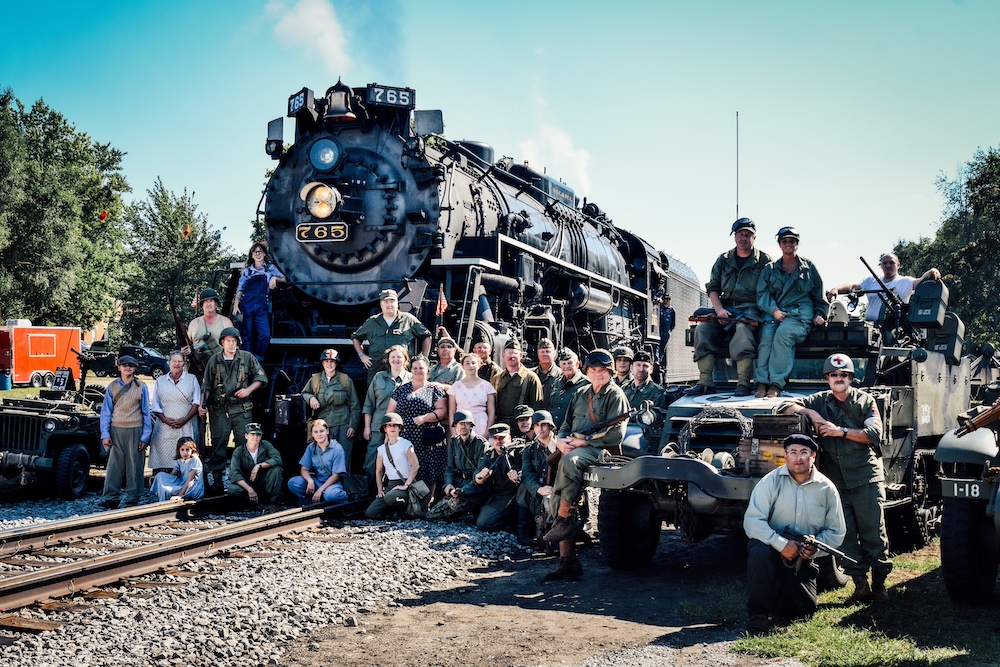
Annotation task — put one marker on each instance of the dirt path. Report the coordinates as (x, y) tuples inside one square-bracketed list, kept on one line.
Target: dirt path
[(505, 616)]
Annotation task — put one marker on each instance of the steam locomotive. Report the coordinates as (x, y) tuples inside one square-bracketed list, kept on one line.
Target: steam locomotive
[(371, 196)]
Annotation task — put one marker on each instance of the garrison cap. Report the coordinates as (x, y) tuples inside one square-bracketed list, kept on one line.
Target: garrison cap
[(512, 344), (566, 354), (388, 294), (545, 344)]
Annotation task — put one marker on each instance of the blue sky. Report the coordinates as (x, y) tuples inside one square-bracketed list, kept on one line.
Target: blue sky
[(849, 111)]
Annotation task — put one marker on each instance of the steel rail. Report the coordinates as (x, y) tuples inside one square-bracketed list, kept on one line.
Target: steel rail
[(68, 578), (45, 534)]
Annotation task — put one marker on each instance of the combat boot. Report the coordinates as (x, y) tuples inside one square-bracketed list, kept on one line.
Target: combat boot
[(564, 528), (569, 569), (706, 383), (744, 369), (879, 594), (862, 591)]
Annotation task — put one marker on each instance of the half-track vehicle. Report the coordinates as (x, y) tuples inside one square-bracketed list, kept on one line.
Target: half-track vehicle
[(970, 521), (715, 448), (53, 439)]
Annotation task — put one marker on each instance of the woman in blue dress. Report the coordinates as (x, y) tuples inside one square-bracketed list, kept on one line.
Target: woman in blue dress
[(187, 479), (256, 281)]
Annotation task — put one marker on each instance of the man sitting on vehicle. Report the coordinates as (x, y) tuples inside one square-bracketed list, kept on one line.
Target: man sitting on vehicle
[(904, 285), (781, 575)]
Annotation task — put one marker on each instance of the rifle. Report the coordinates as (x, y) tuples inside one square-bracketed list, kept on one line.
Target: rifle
[(195, 365), (709, 315), (980, 420), (819, 544), (604, 426)]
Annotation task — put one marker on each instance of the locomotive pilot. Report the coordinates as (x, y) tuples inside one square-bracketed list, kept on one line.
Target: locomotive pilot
[(390, 327)]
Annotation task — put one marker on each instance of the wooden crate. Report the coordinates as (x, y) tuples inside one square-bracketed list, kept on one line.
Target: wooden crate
[(763, 455), (777, 427)]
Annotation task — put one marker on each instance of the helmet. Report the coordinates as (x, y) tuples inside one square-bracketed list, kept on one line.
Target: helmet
[(838, 362), (744, 223), (209, 293), (542, 417), (230, 331), (623, 351), (390, 418), (787, 232), (600, 358), (463, 416), (329, 354)]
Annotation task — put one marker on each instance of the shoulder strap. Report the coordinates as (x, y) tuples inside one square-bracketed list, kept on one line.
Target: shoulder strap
[(524, 390), (314, 384), (117, 396)]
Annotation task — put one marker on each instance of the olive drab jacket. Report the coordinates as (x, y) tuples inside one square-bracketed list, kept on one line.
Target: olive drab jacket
[(736, 285), (563, 392), (799, 294), (338, 399)]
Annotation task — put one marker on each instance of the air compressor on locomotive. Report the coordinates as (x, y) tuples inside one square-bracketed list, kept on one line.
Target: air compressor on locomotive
[(371, 196)]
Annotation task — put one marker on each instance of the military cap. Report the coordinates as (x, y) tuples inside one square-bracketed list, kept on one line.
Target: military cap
[(230, 331), (512, 344), (388, 294), (622, 351), (254, 427), (463, 416), (744, 223), (522, 411), (642, 355), (390, 418), (545, 344), (542, 417), (566, 354), (499, 429), (802, 440), (209, 293), (330, 354), (787, 233), (599, 358), (447, 340), (127, 360)]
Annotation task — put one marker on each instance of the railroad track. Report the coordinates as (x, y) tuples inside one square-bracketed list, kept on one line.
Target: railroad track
[(53, 566)]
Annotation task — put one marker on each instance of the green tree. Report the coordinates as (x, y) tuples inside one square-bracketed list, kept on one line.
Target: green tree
[(174, 252), (60, 218), (965, 246)]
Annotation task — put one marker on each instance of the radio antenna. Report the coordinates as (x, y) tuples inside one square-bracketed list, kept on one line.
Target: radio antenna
[(737, 165)]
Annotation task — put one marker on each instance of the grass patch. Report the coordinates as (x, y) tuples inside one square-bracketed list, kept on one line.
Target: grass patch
[(718, 603), (19, 392)]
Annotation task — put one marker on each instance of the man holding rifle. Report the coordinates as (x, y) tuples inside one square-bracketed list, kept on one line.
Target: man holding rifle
[(781, 575), (732, 289), (603, 400), (904, 285)]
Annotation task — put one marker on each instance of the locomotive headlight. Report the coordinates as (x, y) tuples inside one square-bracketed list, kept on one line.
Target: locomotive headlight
[(325, 154), (321, 199)]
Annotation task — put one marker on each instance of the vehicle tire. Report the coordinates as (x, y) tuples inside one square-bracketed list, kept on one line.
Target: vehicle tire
[(72, 471), (969, 551), (629, 529), (36, 380), (157, 372), (831, 574), (95, 394), (49, 380)]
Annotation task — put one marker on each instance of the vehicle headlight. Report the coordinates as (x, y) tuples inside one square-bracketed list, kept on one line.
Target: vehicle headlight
[(325, 154), (49, 425), (321, 199)]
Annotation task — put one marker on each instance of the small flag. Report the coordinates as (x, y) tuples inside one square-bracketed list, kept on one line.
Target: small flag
[(103, 216), (442, 304), (187, 231)]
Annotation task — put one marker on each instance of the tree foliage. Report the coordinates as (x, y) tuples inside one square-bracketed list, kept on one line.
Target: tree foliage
[(965, 246), (60, 218), (174, 252)]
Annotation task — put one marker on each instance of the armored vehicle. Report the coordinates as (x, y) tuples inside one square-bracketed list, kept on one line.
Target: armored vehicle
[(52, 439), (970, 523), (716, 447)]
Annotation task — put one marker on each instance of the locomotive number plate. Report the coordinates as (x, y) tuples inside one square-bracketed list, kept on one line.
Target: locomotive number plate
[(322, 232), (404, 98), (965, 488)]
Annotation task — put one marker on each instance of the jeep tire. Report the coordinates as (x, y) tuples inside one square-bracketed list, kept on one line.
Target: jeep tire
[(968, 551), (72, 471), (629, 529)]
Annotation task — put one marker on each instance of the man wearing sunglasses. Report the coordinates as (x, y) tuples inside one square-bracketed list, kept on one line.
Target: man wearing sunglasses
[(849, 425), (732, 289), (904, 285)]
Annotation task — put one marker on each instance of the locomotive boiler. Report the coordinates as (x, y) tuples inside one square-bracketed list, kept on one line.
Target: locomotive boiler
[(372, 196)]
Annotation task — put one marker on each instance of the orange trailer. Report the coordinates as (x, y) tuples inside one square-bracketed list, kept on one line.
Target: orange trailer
[(31, 355)]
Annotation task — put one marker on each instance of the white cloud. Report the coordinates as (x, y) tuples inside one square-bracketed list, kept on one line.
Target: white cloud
[(551, 149), (313, 27)]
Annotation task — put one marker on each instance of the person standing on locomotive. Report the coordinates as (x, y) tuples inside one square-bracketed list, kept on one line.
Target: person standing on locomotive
[(850, 427), (205, 331), (332, 397), (515, 385), (600, 401), (570, 382), (390, 327), (231, 376), (547, 370), (668, 320), (904, 285), (732, 289), (256, 281), (790, 293)]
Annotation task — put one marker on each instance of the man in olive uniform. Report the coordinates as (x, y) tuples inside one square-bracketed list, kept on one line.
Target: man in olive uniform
[(535, 488), (206, 330), (390, 327), (465, 449), (515, 385), (570, 382), (333, 398), (487, 367), (623, 365), (547, 370), (495, 484), (446, 370), (255, 474), (231, 376), (600, 401), (642, 388), (732, 289), (850, 429)]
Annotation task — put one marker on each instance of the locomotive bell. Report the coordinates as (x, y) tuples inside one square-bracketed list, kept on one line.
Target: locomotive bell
[(338, 104)]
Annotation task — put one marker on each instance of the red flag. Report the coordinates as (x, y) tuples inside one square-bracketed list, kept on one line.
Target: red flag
[(103, 216), (442, 304), (187, 231)]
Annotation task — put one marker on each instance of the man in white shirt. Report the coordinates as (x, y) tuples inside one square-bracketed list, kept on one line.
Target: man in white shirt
[(904, 285)]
